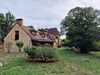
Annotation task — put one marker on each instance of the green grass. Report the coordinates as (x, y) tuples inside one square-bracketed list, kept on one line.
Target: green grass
[(70, 64)]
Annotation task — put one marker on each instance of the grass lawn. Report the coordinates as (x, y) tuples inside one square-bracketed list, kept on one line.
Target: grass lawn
[(70, 64)]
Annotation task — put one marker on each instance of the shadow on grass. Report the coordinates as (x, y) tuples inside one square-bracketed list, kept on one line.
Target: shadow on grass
[(41, 61), (92, 53)]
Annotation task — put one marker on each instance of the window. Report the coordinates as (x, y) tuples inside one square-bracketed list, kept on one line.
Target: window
[(48, 36), (33, 33), (43, 35), (56, 37), (16, 35)]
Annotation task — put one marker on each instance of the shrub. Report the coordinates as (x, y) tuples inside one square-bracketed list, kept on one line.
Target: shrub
[(31, 51), (41, 53), (8, 46), (47, 45), (96, 46), (0, 47), (46, 53), (19, 45)]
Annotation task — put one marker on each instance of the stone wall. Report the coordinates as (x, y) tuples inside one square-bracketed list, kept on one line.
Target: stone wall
[(23, 37), (57, 41)]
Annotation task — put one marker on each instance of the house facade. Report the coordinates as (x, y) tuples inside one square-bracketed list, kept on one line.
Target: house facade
[(29, 36)]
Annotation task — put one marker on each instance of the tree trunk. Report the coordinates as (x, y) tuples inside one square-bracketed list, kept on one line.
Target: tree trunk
[(83, 50), (8, 50), (19, 49)]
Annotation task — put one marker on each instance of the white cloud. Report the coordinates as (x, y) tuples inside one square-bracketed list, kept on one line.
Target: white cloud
[(44, 13)]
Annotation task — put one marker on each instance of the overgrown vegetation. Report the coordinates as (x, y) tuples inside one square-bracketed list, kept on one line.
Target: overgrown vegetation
[(0, 47), (8, 46), (19, 45), (96, 46), (47, 45), (70, 63), (41, 52)]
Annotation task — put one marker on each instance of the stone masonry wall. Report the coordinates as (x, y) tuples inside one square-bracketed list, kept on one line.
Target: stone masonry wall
[(23, 37)]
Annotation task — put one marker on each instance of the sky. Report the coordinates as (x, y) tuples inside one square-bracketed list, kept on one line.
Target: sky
[(44, 13)]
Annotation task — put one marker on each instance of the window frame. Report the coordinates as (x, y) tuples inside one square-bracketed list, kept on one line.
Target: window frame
[(16, 35)]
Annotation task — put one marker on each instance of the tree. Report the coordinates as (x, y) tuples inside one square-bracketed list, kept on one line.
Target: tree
[(0, 35), (19, 45), (2, 21), (9, 20), (81, 27), (6, 23), (43, 29), (30, 26), (8, 46)]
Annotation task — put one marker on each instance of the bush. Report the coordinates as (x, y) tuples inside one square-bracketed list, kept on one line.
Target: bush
[(96, 46), (31, 51), (20, 45), (8, 46), (41, 53), (0, 47), (47, 45), (46, 53)]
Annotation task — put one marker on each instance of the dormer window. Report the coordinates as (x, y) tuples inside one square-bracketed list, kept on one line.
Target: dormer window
[(43, 35), (36, 33), (33, 33)]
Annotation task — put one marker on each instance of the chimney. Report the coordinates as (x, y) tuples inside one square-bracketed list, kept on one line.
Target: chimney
[(19, 21)]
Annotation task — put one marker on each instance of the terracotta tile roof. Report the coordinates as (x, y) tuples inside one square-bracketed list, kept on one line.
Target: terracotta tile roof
[(36, 37), (53, 31)]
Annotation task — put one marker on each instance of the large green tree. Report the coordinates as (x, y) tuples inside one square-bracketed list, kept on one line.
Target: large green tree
[(2, 21), (81, 27), (6, 22), (9, 20)]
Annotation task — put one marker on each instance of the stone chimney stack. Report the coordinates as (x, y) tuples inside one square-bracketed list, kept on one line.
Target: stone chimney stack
[(19, 21)]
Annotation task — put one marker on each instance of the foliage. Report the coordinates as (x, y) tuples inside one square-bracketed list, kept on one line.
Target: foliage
[(47, 45), (0, 44), (19, 45), (43, 29), (2, 21), (31, 26), (81, 27), (96, 46), (0, 47), (8, 46), (46, 53), (6, 22), (40, 52), (65, 42), (31, 51), (0, 40)]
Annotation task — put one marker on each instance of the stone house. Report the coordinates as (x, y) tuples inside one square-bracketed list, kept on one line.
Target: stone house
[(30, 37)]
